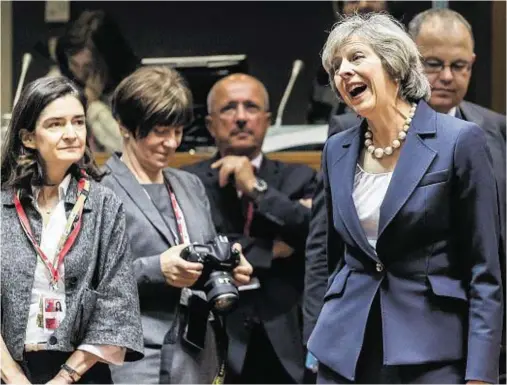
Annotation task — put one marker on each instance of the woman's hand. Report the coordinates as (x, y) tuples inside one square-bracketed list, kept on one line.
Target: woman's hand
[(177, 271), (244, 270), (80, 362), (281, 249), (19, 378), (11, 372), (60, 380)]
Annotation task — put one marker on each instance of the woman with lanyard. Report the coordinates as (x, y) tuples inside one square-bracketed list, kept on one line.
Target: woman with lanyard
[(68, 296), (166, 210)]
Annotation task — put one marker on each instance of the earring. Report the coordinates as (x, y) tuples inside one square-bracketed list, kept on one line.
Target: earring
[(126, 136)]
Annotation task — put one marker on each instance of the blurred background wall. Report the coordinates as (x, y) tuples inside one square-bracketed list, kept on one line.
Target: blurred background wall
[(272, 34), (7, 59)]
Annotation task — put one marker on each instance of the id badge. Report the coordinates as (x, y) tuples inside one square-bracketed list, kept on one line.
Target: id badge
[(53, 312)]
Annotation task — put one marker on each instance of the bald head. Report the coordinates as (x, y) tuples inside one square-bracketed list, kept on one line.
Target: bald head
[(445, 41), (238, 115), (443, 22), (221, 87)]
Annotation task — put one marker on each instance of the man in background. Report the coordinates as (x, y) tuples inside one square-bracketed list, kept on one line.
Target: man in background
[(446, 42), (265, 206)]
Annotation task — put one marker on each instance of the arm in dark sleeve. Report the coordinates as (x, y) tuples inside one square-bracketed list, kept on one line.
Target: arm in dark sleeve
[(334, 243), (475, 212), (291, 217), (257, 251), (316, 271), (147, 270), (288, 218), (324, 252)]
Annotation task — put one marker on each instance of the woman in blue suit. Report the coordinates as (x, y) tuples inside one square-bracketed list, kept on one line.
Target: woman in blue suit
[(414, 294)]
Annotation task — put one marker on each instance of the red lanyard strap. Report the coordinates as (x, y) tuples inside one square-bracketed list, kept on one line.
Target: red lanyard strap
[(69, 235), (180, 220)]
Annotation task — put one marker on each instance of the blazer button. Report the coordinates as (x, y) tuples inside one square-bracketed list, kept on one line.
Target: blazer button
[(72, 282), (379, 267), (52, 340)]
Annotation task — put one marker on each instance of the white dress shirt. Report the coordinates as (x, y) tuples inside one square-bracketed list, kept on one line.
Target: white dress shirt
[(257, 161), (51, 233)]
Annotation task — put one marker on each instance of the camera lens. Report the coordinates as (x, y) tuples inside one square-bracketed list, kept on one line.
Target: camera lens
[(221, 292), (225, 302)]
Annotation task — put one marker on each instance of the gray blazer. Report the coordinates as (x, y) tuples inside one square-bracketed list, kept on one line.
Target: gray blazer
[(100, 310), (150, 236)]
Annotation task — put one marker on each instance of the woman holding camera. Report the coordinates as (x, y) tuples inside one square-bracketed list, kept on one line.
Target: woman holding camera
[(69, 300), (167, 209)]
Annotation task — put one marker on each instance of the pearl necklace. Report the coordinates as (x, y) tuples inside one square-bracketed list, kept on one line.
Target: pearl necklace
[(379, 152)]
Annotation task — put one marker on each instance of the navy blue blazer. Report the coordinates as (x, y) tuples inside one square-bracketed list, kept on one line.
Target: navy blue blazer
[(436, 263)]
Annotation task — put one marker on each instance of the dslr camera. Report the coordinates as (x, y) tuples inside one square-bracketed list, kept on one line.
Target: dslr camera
[(219, 260)]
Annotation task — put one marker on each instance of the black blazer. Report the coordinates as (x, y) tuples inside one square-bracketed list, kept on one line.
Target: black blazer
[(316, 274), (278, 215)]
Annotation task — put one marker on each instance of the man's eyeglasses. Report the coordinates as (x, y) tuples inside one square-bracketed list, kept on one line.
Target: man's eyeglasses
[(433, 66)]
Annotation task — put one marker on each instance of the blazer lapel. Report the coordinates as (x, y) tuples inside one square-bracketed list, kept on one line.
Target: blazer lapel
[(183, 197), (343, 169), (268, 171), (415, 158), (139, 196)]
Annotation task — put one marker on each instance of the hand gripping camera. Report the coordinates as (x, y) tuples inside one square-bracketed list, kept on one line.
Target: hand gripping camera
[(219, 260)]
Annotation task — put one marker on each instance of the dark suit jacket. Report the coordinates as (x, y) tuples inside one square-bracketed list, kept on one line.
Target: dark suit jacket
[(436, 263), (279, 215), (316, 276)]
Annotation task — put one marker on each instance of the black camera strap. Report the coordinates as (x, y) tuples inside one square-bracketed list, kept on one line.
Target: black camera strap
[(218, 324)]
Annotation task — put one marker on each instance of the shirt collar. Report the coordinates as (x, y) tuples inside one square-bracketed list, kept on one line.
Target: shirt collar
[(62, 189), (452, 111), (257, 161)]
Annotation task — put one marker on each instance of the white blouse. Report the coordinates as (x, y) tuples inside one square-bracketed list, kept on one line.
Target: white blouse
[(368, 194)]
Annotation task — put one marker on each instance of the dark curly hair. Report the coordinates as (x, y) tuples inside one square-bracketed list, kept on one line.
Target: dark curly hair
[(22, 167)]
